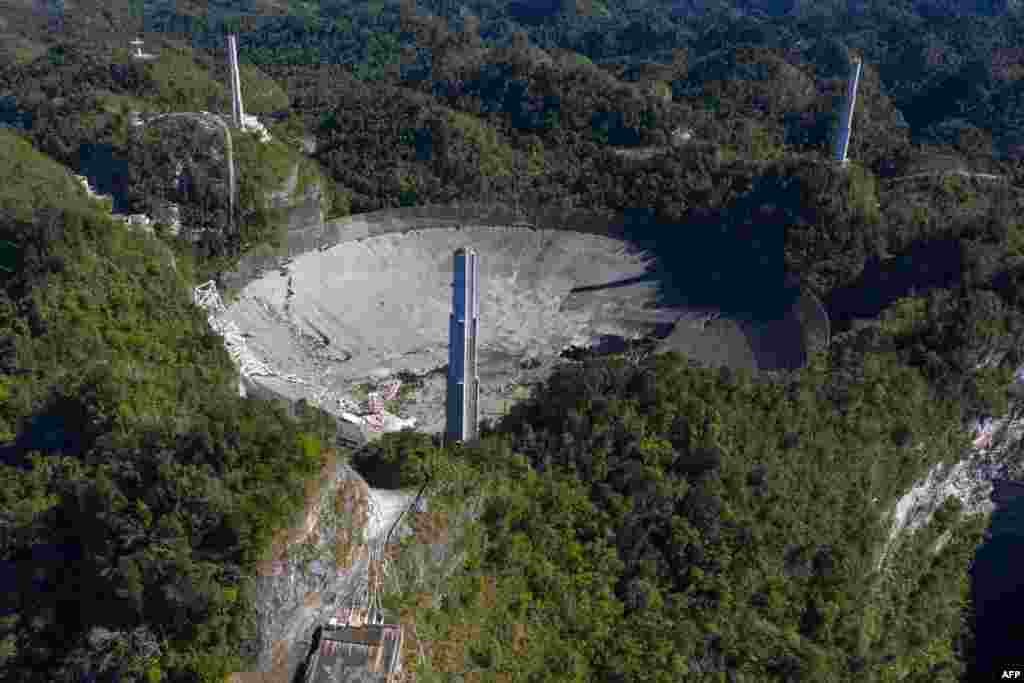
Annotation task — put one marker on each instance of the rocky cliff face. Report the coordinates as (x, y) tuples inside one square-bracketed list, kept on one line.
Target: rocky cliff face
[(994, 455), (315, 568), (339, 556)]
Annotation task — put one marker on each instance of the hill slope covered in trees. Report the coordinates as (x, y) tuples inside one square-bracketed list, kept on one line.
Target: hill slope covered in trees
[(662, 522)]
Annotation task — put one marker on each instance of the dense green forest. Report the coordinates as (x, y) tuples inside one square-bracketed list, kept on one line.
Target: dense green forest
[(654, 522), (669, 523), (137, 488)]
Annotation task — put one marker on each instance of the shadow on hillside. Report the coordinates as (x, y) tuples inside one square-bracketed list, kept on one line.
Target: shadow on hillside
[(711, 260), (916, 271), (106, 173), (731, 263), (62, 426), (999, 594)]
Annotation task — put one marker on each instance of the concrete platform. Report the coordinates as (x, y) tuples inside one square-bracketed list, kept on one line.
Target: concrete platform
[(368, 653)]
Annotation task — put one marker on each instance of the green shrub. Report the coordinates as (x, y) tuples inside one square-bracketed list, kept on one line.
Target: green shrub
[(198, 480), (262, 94), (183, 85)]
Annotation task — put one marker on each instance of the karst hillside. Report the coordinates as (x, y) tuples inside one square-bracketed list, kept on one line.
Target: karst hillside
[(634, 514)]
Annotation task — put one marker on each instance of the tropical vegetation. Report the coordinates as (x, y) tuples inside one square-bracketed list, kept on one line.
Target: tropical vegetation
[(637, 520)]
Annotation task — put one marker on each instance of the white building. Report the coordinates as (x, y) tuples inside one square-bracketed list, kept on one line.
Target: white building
[(137, 52), (253, 125), (681, 135)]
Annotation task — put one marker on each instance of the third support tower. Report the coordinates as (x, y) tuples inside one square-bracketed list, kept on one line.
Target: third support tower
[(846, 122), (463, 382)]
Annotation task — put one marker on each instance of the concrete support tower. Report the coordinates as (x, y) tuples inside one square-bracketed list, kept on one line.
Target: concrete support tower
[(463, 383), (237, 113), (846, 123)]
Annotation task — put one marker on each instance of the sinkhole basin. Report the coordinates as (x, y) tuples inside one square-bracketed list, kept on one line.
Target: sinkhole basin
[(366, 310)]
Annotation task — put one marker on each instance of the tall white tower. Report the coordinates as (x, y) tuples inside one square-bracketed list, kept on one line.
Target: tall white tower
[(462, 415), (237, 112), (846, 123)]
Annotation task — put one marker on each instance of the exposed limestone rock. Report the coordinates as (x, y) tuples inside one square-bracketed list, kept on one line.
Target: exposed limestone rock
[(993, 455)]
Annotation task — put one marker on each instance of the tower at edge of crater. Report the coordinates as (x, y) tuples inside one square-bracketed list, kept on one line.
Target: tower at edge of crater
[(462, 409)]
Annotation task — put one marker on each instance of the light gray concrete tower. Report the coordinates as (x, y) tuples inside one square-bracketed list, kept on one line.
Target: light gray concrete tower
[(237, 112), (463, 383), (846, 122)]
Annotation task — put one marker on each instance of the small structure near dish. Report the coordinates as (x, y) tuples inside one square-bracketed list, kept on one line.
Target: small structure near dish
[(354, 648), (137, 53)]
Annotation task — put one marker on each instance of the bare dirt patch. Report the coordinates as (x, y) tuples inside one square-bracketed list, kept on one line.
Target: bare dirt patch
[(351, 502), (431, 526), (288, 537), (449, 653), (277, 674), (488, 591)]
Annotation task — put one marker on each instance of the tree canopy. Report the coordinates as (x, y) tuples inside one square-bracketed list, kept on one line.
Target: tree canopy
[(637, 521)]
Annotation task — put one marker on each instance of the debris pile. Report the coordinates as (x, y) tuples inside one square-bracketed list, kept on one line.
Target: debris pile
[(377, 419), (249, 366)]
